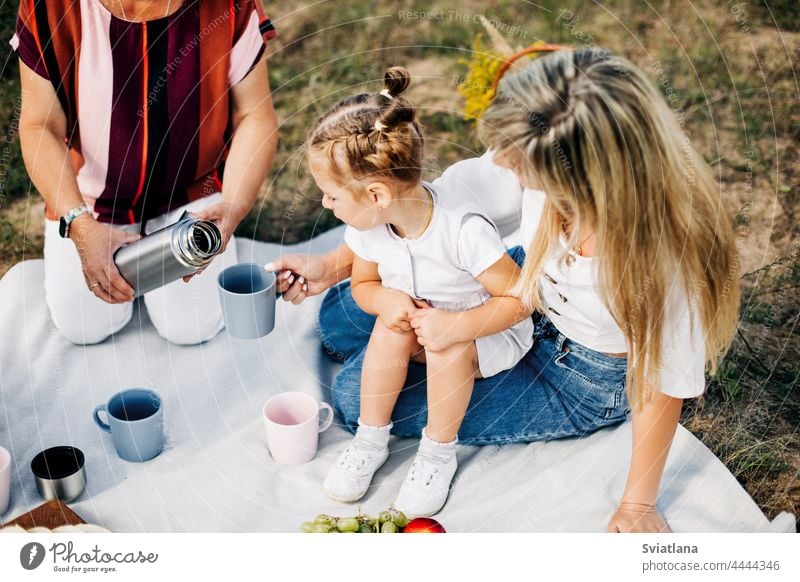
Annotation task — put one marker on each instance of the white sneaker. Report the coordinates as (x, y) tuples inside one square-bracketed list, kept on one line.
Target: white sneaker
[(349, 478), (427, 484)]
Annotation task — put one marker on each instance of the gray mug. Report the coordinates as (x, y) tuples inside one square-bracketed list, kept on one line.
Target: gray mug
[(136, 423), (247, 293)]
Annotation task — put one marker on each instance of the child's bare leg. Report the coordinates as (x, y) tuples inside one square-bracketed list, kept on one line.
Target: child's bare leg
[(384, 372), (451, 377), (382, 378)]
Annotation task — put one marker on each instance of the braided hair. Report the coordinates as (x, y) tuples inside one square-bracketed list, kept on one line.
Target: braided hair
[(373, 134)]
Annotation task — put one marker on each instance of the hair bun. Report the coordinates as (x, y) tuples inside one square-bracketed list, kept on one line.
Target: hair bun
[(396, 80)]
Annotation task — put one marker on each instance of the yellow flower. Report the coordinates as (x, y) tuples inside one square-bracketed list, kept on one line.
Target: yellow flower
[(476, 87), (482, 68)]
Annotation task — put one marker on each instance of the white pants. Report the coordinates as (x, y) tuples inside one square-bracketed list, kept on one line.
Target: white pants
[(182, 313)]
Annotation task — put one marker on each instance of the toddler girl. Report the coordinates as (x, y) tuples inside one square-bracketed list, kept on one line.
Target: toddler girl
[(433, 269)]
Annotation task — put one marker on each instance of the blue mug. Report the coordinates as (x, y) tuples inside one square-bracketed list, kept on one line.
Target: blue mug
[(247, 294), (136, 423)]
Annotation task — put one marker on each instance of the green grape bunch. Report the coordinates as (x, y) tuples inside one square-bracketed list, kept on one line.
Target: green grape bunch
[(390, 521)]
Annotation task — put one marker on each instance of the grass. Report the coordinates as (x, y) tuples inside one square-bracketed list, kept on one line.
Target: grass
[(730, 67)]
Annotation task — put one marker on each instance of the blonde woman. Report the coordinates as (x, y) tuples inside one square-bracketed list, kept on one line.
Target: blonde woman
[(630, 265)]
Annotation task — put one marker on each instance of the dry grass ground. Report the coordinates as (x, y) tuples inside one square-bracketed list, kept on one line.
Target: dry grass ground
[(729, 66)]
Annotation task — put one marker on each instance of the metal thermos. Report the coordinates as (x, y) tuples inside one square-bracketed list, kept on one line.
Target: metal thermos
[(168, 254)]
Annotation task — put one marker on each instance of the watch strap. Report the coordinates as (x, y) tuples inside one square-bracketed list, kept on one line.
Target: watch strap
[(67, 219)]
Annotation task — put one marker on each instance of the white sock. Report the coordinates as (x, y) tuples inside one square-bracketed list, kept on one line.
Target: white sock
[(376, 435), (441, 451)]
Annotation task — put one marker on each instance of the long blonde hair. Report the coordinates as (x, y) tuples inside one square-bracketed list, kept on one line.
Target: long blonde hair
[(594, 134)]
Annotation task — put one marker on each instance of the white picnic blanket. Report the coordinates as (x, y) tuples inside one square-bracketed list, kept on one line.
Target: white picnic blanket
[(216, 475)]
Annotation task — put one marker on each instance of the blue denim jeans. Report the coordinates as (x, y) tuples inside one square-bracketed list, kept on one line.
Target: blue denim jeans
[(559, 389)]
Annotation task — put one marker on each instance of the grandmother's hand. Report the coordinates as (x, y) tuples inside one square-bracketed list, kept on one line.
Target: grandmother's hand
[(226, 217), (637, 518), (96, 243)]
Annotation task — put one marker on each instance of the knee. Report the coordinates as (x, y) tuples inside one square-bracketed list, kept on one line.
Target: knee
[(188, 335), (459, 352), (92, 329), (83, 333), (403, 342)]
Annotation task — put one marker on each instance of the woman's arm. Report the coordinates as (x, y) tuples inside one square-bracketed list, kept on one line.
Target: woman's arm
[(255, 139), (483, 178), (42, 129), (438, 329), (501, 311), (654, 427), (301, 276), (391, 306)]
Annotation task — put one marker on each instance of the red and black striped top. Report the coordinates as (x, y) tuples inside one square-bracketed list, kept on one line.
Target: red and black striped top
[(147, 103)]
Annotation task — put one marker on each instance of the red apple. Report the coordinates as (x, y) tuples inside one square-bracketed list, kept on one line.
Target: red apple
[(423, 525)]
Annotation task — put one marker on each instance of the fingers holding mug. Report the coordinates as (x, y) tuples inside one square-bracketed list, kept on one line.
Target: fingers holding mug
[(297, 291)]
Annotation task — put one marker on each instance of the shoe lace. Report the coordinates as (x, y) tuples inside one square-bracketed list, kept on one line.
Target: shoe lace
[(356, 457), (424, 469)]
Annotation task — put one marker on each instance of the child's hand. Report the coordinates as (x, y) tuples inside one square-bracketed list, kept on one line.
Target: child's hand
[(436, 329), (395, 307)]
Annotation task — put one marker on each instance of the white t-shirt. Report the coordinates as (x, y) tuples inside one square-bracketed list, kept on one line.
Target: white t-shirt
[(442, 264), (583, 317)]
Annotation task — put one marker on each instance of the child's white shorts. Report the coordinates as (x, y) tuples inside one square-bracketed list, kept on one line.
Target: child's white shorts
[(502, 351)]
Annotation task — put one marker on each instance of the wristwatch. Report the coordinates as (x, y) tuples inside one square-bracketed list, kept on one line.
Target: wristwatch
[(65, 221)]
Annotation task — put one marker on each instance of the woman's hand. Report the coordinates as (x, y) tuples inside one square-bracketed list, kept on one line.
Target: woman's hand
[(96, 243), (300, 276), (226, 216), (637, 518), (395, 308), (436, 329)]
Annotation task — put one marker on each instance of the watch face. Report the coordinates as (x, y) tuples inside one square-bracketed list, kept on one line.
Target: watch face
[(62, 227)]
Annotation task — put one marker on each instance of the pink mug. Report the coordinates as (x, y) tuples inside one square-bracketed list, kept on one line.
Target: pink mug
[(5, 479), (293, 425)]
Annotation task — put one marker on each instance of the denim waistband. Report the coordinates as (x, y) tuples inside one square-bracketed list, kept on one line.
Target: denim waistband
[(543, 327)]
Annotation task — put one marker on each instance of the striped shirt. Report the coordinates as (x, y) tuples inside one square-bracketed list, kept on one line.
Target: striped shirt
[(147, 103)]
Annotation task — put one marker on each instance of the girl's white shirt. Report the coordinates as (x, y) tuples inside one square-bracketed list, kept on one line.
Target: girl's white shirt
[(571, 293), (441, 266)]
